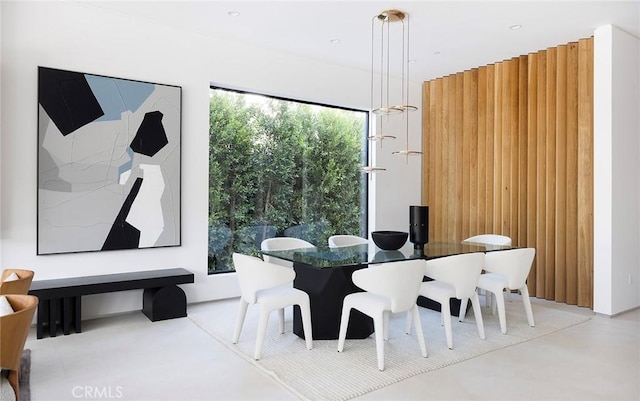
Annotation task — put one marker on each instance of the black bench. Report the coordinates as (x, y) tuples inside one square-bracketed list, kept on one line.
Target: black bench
[(60, 299)]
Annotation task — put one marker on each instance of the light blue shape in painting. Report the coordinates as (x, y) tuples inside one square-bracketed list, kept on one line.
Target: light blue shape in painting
[(128, 164), (118, 95)]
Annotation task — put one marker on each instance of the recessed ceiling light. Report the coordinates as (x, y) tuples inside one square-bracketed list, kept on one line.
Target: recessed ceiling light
[(233, 13), (515, 27), (335, 41)]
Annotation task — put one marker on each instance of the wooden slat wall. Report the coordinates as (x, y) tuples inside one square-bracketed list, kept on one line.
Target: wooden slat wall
[(508, 149)]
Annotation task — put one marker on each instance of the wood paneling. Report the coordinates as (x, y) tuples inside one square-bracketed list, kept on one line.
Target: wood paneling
[(509, 150)]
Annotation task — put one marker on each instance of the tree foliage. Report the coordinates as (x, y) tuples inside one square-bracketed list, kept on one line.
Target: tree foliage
[(281, 168)]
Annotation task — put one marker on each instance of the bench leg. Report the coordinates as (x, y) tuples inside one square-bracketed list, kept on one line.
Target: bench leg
[(43, 312), (54, 308), (164, 303), (67, 314), (77, 313)]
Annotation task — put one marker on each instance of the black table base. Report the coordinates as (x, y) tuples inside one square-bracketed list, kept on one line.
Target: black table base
[(327, 289)]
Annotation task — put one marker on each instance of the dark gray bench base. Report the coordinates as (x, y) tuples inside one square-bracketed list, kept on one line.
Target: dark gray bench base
[(60, 302)]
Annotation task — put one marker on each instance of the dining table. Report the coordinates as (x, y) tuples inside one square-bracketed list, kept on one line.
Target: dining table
[(325, 275)]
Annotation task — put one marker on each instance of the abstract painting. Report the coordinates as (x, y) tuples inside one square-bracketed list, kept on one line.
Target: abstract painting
[(108, 163)]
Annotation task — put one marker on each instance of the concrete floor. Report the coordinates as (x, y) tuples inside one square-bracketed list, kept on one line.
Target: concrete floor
[(127, 357)]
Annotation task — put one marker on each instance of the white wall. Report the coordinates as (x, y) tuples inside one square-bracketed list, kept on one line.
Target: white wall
[(82, 38), (617, 171)]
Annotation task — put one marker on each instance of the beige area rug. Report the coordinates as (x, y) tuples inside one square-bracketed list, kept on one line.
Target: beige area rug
[(325, 374)]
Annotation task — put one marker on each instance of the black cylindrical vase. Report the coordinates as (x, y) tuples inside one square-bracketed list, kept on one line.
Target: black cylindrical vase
[(419, 226)]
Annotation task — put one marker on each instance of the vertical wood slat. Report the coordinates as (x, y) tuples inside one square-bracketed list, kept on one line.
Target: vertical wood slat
[(505, 151), (561, 175), (512, 195), (459, 77), (550, 225), (522, 150), (571, 257), (426, 140), (481, 150), (466, 164), (585, 169), (489, 146), (450, 171), (532, 171), (433, 169), (510, 151), (497, 150), (471, 110), (541, 167), (445, 127), (438, 195), (465, 149)]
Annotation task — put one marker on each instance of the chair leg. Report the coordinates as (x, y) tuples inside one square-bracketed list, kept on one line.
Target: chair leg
[(305, 311), (419, 333), (477, 313), (378, 327), (463, 309), (385, 317), (14, 381), (242, 312), (281, 320), (344, 322), (262, 329), (494, 302), (409, 320), (499, 300), (446, 317), (524, 291)]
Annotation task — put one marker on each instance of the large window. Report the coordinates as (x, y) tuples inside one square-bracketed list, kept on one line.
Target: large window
[(279, 167)]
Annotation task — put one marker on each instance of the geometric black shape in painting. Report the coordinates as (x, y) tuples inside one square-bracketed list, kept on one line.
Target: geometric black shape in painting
[(151, 136), (67, 98), (122, 234)]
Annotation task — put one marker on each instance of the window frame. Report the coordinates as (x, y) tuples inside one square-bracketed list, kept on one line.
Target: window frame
[(364, 225)]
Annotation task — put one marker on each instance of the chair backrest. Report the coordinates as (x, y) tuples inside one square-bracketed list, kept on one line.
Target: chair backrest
[(282, 243), (14, 329), (461, 271), (490, 241), (515, 264), (254, 275), (337, 241), (19, 286), (398, 281)]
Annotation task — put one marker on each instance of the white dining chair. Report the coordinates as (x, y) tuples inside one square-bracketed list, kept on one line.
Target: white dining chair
[(341, 240), (490, 242), (282, 243), (269, 286), (508, 270), (453, 276), (389, 288)]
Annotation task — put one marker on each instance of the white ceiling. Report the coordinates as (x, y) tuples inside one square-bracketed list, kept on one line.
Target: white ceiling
[(445, 36)]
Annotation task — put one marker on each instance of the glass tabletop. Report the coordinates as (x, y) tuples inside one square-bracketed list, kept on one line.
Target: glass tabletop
[(325, 257)]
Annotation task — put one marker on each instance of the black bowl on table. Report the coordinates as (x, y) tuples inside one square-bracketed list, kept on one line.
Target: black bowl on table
[(389, 240)]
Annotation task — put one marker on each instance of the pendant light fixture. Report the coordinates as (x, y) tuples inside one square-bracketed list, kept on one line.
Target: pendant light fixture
[(389, 59)]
